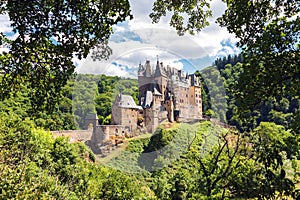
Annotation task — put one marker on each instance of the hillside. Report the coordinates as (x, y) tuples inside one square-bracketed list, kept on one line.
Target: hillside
[(188, 161), (221, 98), (201, 160)]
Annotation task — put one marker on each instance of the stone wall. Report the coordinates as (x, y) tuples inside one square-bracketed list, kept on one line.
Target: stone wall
[(75, 135)]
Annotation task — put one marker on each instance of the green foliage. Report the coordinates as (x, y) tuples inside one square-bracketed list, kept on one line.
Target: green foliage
[(275, 174), (78, 98), (220, 164), (187, 16), (279, 109), (214, 93), (269, 36), (61, 117), (128, 160), (96, 94), (50, 33), (34, 165)]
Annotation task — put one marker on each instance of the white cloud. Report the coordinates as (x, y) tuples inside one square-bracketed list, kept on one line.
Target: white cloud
[(127, 59), (4, 50), (5, 24), (139, 39), (6, 28)]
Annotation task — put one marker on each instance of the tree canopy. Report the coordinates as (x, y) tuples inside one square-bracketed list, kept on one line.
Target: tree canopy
[(50, 33), (218, 162), (269, 33)]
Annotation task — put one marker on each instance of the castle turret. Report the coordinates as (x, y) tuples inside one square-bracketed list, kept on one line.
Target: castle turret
[(91, 119), (148, 69)]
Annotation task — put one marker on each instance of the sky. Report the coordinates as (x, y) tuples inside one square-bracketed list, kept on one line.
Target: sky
[(138, 40)]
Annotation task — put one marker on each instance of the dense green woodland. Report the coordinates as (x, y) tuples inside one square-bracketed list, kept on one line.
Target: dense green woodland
[(188, 161), (196, 161), (83, 94), (256, 92), (219, 86), (96, 94)]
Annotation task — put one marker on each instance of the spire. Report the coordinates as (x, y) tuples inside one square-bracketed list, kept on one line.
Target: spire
[(148, 68), (159, 71)]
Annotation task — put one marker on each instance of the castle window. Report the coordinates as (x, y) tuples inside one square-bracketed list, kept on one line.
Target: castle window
[(196, 95), (116, 130)]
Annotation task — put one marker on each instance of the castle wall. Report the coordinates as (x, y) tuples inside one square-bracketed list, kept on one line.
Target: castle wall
[(157, 99), (129, 118), (198, 100), (104, 132), (195, 99), (75, 135), (116, 114), (162, 83)]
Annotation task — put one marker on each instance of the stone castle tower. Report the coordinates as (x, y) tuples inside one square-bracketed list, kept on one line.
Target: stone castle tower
[(168, 94)]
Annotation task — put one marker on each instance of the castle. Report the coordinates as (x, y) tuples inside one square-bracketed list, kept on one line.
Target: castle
[(165, 94)]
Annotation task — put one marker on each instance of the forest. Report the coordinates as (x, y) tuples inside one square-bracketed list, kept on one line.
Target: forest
[(255, 92), (188, 161)]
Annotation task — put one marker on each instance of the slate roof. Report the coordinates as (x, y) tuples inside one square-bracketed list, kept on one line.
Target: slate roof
[(156, 92), (126, 101), (148, 100), (159, 71)]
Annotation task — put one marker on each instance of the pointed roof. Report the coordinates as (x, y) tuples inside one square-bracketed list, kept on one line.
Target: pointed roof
[(159, 71), (126, 101), (147, 67), (156, 92), (148, 100)]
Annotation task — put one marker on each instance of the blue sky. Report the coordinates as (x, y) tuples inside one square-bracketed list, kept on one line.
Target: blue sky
[(137, 40)]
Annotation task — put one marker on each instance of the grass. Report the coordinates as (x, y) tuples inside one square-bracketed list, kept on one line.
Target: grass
[(126, 158)]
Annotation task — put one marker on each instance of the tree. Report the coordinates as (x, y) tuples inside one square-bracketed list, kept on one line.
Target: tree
[(268, 33), (195, 11), (49, 34), (269, 36), (275, 174)]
